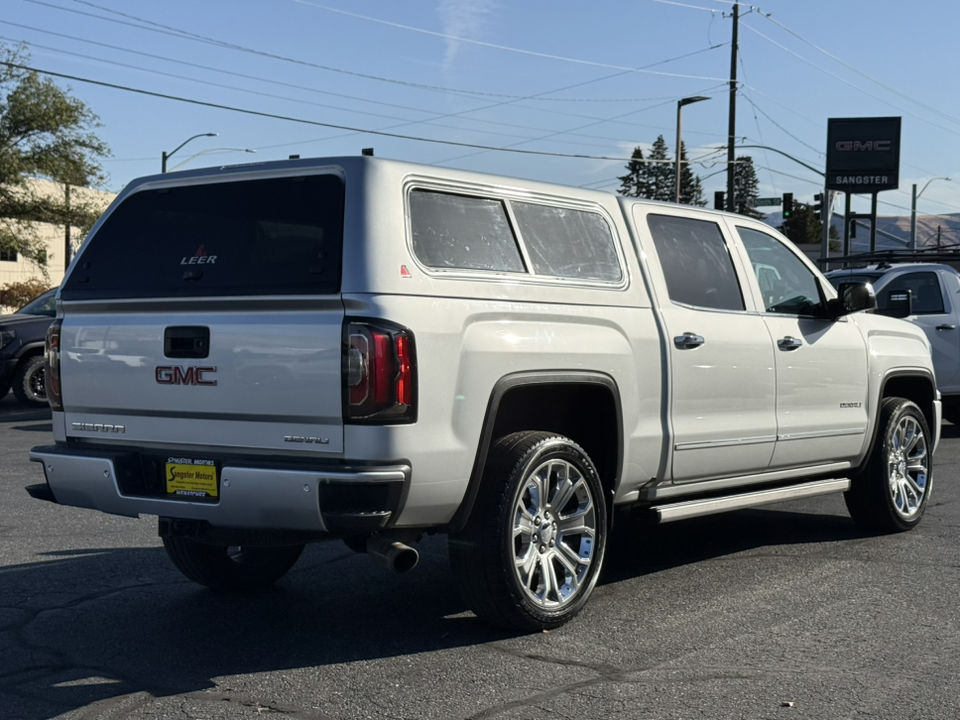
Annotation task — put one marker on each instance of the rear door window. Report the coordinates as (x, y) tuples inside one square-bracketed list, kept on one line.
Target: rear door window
[(696, 262), (924, 289), (281, 236)]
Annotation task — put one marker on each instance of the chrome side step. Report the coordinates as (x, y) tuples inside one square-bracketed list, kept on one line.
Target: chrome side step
[(697, 508)]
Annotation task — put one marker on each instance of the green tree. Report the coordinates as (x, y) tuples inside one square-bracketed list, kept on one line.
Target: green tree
[(745, 187), (45, 134), (655, 177), (635, 183), (691, 189)]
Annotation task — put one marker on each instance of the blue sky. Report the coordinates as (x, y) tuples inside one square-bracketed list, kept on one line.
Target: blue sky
[(564, 78)]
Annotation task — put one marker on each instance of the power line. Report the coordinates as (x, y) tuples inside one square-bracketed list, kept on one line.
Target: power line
[(521, 51), (304, 121), (847, 65), (847, 82)]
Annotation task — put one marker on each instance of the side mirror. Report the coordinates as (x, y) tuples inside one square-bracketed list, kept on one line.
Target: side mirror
[(854, 297)]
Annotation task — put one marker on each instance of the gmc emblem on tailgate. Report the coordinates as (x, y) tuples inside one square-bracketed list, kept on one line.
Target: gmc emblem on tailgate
[(177, 375)]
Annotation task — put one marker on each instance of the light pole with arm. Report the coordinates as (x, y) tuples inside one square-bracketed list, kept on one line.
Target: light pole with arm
[(913, 210), (166, 155), (680, 104)]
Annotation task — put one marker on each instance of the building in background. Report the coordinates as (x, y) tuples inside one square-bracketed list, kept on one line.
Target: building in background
[(17, 269)]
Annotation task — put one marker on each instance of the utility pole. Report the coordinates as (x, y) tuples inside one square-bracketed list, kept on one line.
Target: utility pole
[(732, 126), (67, 249)]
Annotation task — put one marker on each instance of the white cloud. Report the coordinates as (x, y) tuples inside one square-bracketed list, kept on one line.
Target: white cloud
[(463, 19)]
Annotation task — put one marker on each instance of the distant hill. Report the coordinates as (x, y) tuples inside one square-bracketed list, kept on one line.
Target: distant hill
[(893, 232)]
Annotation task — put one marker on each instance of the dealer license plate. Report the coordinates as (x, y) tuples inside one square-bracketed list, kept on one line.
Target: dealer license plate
[(191, 478)]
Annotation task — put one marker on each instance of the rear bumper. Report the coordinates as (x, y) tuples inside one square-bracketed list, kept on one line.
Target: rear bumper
[(339, 500)]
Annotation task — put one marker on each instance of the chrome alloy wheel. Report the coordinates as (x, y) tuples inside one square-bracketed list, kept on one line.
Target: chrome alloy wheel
[(554, 531), (908, 467)]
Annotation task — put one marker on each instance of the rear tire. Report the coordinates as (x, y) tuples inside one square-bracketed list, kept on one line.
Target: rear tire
[(893, 489), (531, 552), (29, 382), (224, 568)]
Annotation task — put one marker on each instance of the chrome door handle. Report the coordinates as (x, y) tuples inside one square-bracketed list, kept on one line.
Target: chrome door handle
[(789, 343), (946, 327), (688, 341)]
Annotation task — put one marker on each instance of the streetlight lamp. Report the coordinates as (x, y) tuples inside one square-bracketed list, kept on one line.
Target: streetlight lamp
[(165, 155), (680, 104), (210, 150), (913, 210)]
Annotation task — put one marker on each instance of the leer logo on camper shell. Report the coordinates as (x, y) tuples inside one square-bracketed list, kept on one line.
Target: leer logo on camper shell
[(200, 257)]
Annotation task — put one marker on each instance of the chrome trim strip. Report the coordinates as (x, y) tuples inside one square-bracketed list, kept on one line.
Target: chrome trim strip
[(725, 443), (699, 486), (698, 508), (822, 434)]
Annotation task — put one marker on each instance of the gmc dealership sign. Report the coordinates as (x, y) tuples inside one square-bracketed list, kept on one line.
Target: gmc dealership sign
[(863, 154)]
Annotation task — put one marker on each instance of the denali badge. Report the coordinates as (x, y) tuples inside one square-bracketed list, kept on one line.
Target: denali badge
[(848, 405), (177, 375), (306, 439), (98, 427)]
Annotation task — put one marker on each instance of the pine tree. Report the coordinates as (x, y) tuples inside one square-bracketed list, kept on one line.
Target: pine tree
[(635, 183), (745, 187), (691, 190), (661, 173)]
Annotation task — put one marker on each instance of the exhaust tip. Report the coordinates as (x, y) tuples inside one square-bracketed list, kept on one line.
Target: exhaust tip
[(393, 555)]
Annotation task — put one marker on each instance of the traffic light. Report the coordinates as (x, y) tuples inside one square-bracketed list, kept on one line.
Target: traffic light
[(718, 200), (787, 205), (818, 205)]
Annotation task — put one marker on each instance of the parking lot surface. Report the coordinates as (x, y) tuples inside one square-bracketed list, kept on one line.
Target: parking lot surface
[(783, 612)]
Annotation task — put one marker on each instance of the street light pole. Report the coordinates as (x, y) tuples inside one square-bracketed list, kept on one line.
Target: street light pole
[(166, 155), (913, 210), (680, 104)]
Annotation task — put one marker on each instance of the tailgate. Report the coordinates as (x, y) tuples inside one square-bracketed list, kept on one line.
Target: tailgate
[(270, 380), (206, 311)]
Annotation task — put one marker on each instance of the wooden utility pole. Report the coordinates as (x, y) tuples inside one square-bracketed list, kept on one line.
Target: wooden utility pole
[(732, 127)]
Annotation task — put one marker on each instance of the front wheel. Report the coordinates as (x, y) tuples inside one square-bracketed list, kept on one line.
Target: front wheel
[(531, 552), (29, 382), (893, 489), (220, 567)]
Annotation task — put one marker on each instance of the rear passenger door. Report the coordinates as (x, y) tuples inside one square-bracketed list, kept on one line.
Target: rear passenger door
[(721, 383), (821, 364)]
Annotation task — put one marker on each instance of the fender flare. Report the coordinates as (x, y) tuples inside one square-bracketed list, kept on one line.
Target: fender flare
[(500, 389)]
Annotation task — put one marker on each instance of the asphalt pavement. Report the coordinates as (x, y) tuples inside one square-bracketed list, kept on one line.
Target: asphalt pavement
[(785, 612)]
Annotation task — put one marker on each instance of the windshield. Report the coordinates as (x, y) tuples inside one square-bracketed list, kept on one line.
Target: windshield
[(42, 305), (837, 280)]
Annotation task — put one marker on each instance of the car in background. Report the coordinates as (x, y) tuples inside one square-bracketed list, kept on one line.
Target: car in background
[(928, 295), (22, 337)]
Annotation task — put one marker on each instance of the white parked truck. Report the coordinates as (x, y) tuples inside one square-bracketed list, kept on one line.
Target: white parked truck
[(279, 353)]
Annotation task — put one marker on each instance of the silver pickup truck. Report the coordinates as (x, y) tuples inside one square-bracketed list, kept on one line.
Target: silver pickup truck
[(274, 354)]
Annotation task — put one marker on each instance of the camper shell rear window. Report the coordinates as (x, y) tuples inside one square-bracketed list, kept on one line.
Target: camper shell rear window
[(277, 236)]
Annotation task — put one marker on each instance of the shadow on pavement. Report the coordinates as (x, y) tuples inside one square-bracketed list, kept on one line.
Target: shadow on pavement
[(82, 626)]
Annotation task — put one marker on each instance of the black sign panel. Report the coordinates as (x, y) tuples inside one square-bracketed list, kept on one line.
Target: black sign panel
[(863, 154)]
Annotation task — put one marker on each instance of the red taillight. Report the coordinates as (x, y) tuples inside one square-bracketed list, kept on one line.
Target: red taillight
[(52, 358), (378, 373)]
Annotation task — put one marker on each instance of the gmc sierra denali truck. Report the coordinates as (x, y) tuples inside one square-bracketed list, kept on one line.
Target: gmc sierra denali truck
[(273, 354)]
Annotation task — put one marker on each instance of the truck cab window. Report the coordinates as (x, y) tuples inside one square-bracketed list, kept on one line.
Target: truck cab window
[(788, 286)]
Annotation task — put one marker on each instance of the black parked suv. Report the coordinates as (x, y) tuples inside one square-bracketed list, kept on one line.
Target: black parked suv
[(21, 349)]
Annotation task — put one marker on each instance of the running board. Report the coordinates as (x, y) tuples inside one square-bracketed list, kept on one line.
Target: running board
[(711, 506)]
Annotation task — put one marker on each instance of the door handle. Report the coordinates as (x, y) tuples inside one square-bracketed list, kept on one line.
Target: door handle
[(789, 343), (946, 327), (688, 341)]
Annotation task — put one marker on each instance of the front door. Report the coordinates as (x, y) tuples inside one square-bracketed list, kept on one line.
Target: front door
[(821, 364)]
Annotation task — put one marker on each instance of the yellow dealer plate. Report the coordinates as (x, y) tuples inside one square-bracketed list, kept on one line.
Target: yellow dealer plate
[(187, 477)]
